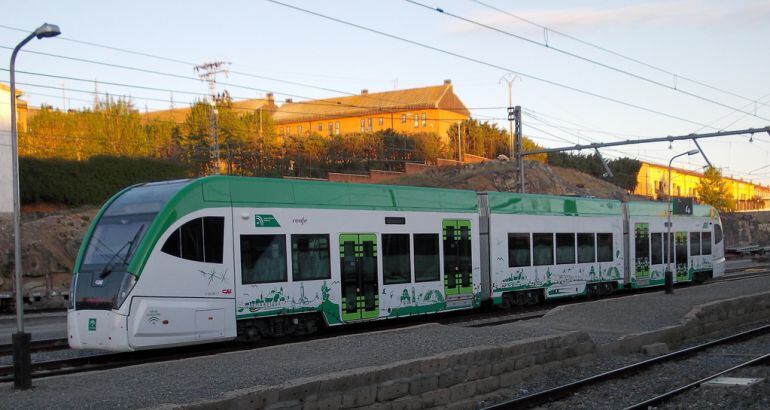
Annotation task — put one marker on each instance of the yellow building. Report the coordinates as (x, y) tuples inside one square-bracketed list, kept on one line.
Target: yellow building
[(427, 109), (256, 105), (652, 181)]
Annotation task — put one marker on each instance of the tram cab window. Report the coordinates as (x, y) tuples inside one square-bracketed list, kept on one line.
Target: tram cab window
[(565, 248), (201, 240), (717, 233), (542, 247), (586, 243), (263, 259), (604, 247), (706, 243), (518, 250), (656, 239), (396, 263), (426, 257), (694, 243), (310, 257)]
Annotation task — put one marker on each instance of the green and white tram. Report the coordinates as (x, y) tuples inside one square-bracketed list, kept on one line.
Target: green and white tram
[(195, 261)]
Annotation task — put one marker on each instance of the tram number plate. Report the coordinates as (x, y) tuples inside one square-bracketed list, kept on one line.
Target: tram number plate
[(92, 324)]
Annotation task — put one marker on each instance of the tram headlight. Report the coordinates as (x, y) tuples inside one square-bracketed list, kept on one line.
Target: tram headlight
[(128, 282), (71, 295)]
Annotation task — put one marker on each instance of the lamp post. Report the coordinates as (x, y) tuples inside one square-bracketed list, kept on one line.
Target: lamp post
[(669, 276), (22, 371)]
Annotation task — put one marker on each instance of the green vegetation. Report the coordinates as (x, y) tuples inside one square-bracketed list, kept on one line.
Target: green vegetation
[(712, 190), (486, 140), (624, 169), (75, 183)]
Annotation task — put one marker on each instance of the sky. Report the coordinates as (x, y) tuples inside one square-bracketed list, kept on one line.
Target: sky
[(565, 98)]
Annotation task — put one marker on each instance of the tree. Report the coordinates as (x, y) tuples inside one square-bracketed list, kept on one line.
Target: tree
[(485, 139), (712, 190)]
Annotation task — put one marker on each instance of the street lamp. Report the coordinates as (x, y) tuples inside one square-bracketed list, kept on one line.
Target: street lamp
[(22, 369), (669, 276)]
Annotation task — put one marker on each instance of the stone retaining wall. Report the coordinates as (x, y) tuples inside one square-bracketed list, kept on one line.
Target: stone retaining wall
[(457, 379), (700, 321)]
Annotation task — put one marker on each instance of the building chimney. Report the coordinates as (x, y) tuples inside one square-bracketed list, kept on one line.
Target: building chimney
[(288, 101), (447, 82), (270, 97), (364, 91)]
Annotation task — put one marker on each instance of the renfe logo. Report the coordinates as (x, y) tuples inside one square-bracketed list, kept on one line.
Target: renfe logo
[(92, 324), (299, 221), (266, 221)]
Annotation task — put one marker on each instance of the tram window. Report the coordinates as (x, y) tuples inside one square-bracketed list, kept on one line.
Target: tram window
[(706, 242), (310, 257), (213, 238), (426, 258), (192, 240), (586, 243), (263, 259), (694, 243), (604, 247), (396, 263), (717, 233), (565, 248), (542, 247), (519, 253), (173, 245), (657, 248)]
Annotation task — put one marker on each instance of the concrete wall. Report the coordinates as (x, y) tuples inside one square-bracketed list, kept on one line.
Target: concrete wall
[(700, 321), (459, 378), (6, 190)]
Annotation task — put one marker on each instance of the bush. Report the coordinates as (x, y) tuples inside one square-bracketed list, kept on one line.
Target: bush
[(91, 182)]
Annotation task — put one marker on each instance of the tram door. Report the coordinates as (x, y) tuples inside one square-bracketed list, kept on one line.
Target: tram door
[(680, 262), (358, 265), (457, 257)]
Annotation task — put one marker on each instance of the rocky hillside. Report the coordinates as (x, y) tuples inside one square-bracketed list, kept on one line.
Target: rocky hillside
[(500, 176)]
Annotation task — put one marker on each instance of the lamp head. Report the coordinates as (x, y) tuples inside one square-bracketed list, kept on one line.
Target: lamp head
[(47, 30), (692, 152)]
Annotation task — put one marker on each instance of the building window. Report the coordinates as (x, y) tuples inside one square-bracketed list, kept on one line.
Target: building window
[(299, 130), (380, 121), (518, 250), (542, 249), (310, 257), (426, 258), (320, 127), (424, 120), (396, 263), (369, 124), (565, 248), (337, 127), (403, 118), (363, 125), (416, 120), (586, 244), (331, 128), (263, 259), (604, 247)]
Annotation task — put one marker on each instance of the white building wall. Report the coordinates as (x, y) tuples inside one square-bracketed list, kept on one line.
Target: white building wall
[(6, 169)]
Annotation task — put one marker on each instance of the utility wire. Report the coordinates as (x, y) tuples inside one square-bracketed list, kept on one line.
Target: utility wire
[(676, 76), (585, 59), (485, 63)]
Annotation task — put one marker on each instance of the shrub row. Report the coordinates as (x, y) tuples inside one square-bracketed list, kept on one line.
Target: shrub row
[(93, 181)]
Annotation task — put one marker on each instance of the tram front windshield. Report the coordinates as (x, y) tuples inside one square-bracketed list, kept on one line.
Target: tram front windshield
[(114, 241)]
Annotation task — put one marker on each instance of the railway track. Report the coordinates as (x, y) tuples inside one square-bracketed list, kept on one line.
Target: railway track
[(552, 395)]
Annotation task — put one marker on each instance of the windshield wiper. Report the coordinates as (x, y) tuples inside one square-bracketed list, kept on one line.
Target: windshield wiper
[(108, 266)]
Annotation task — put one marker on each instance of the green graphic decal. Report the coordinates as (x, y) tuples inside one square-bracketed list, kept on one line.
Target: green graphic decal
[(266, 221), (92, 324), (276, 303), (413, 303)]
